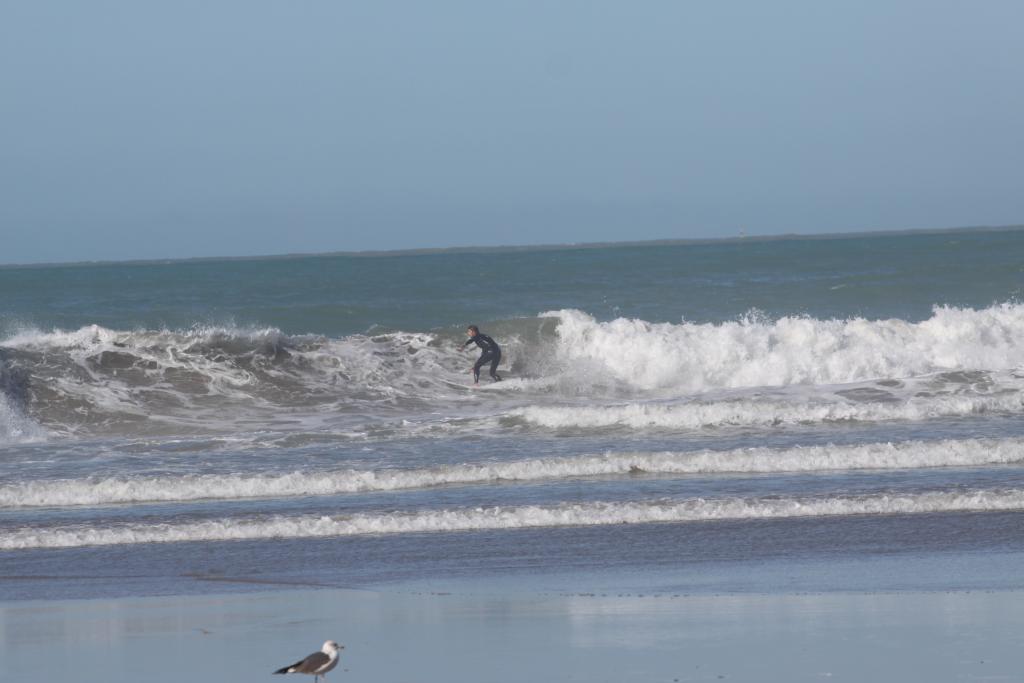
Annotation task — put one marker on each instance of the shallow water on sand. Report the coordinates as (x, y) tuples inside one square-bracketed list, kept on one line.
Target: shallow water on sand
[(455, 638)]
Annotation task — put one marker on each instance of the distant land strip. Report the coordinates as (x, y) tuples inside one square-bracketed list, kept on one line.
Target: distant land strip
[(570, 246)]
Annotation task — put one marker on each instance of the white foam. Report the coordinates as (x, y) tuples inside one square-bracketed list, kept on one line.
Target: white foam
[(754, 353), (695, 415), (902, 455), (210, 378), (15, 427), (529, 516)]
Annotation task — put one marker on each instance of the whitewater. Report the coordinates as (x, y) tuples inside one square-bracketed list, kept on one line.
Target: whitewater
[(958, 361), (903, 455), (874, 382), (591, 514)]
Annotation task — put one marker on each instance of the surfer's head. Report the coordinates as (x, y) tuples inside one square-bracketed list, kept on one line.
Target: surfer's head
[(472, 330)]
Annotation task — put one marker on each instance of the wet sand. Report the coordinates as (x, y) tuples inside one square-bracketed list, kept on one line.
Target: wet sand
[(416, 635)]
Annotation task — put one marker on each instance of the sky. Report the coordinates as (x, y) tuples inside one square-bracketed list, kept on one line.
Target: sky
[(145, 129)]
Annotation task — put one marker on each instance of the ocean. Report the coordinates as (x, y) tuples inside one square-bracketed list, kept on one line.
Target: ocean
[(760, 415)]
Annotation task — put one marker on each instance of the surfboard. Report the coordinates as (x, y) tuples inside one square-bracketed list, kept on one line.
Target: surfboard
[(485, 382), (457, 385)]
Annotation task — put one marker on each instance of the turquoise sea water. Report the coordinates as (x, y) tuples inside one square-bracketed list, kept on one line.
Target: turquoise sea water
[(667, 407), (891, 276)]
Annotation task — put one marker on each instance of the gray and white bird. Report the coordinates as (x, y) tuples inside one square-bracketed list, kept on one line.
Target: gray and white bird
[(317, 663)]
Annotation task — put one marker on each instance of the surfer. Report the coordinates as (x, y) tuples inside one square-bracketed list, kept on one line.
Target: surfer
[(491, 353)]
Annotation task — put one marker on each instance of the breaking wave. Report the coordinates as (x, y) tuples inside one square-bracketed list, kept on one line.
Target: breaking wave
[(15, 426), (753, 352), (902, 455), (528, 516), (96, 380)]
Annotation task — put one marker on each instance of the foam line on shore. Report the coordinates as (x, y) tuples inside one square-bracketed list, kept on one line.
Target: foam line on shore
[(521, 517), (902, 455)]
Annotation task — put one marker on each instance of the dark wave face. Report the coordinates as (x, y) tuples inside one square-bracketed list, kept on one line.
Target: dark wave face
[(96, 380)]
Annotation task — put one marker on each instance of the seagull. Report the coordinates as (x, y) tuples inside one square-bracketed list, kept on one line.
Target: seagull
[(318, 663)]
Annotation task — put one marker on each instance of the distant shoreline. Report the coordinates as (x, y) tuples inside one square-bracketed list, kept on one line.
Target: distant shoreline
[(568, 246)]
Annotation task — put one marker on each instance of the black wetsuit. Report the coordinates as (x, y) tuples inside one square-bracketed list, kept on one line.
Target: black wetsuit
[(491, 354)]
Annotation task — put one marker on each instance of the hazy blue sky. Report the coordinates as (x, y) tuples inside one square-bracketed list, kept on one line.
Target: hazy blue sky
[(169, 129)]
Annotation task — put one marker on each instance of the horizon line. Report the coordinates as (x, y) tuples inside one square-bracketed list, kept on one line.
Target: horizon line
[(511, 248)]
